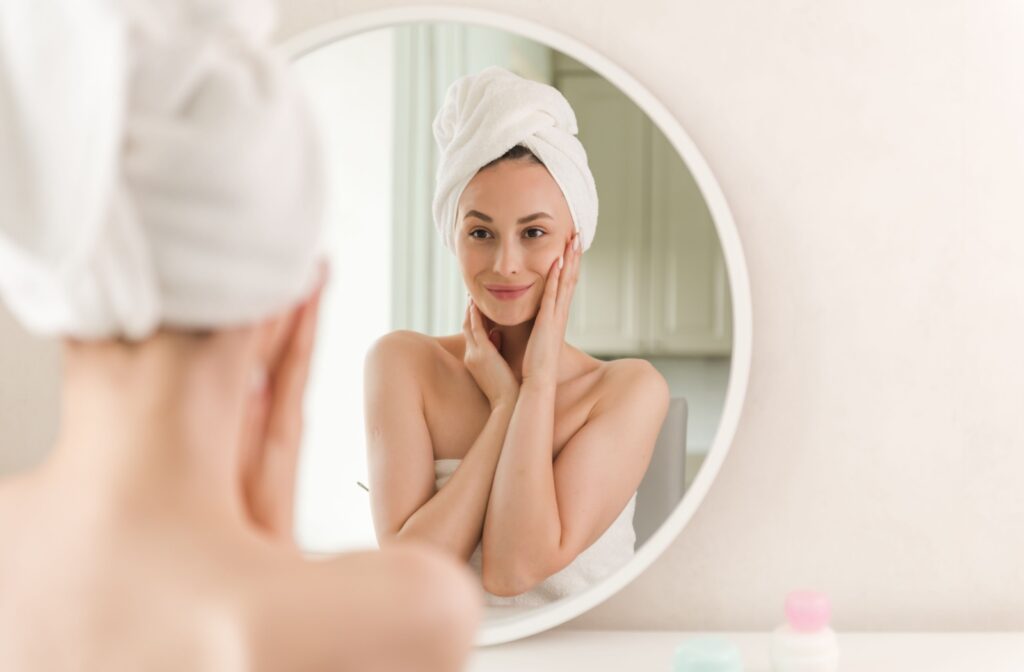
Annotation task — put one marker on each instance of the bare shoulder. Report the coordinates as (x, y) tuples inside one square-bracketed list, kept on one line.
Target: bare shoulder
[(633, 380), (408, 593), (405, 343), (631, 406), (402, 344), (404, 352)]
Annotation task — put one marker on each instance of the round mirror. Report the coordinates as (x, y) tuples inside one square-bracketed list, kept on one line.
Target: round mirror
[(664, 280)]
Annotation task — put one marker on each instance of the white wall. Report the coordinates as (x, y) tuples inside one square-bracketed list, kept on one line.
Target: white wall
[(352, 79), (29, 395), (873, 154)]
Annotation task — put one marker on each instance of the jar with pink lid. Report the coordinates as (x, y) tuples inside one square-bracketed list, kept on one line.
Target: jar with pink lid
[(805, 642)]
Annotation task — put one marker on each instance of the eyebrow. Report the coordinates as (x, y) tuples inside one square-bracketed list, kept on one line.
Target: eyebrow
[(522, 220)]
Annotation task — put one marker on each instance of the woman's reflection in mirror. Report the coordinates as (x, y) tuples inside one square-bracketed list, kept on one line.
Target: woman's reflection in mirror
[(504, 444)]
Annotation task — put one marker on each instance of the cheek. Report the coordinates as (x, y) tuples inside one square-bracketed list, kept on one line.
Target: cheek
[(469, 262), (544, 254)]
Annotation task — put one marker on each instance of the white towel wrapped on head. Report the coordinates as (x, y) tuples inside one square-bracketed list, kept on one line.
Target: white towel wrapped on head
[(159, 167), (486, 114)]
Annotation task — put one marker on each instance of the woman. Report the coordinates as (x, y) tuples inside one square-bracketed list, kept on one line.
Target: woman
[(547, 445), (174, 254)]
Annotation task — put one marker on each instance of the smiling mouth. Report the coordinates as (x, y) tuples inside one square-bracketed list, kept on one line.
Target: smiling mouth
[(508, 293)]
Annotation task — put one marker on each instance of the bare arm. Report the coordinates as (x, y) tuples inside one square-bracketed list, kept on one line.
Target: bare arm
[(404, 500), (541, 515)]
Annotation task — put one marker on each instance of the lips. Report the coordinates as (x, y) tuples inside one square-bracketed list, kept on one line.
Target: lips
[(508, 292)]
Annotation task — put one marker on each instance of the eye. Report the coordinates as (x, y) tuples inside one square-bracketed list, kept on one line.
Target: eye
[(535, 232), (484, 233)]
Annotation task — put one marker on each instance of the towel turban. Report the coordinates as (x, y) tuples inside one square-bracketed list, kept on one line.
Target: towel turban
[(486, 114), (159, 167)]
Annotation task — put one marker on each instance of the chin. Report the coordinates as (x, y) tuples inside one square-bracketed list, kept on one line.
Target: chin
[(511, 316)]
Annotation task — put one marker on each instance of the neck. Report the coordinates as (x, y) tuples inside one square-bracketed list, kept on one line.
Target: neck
[(151, 427), (514, 340)]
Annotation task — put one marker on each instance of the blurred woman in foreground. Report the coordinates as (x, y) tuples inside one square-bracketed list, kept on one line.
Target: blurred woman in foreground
[(159, 213)]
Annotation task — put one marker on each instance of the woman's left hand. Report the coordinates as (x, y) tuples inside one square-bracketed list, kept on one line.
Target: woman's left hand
[(540, 363)]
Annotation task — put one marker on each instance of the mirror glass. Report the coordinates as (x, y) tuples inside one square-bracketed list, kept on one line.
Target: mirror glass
[(652, 286)]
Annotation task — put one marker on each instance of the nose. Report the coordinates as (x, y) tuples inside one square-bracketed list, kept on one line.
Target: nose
[(508, 259)]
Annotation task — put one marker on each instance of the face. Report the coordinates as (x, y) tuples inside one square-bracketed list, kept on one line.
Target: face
[(513, 223)]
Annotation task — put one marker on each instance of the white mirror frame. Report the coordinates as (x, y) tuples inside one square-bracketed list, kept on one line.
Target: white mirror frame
[(549, 616)]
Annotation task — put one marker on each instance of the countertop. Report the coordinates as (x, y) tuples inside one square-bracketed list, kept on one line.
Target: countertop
[(639, 651)]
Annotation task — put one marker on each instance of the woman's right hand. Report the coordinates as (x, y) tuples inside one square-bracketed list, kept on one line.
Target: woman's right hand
[(272, 434), (489, 369)]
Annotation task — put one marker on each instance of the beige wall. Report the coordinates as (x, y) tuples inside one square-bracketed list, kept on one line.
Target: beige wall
[(873, 155)]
